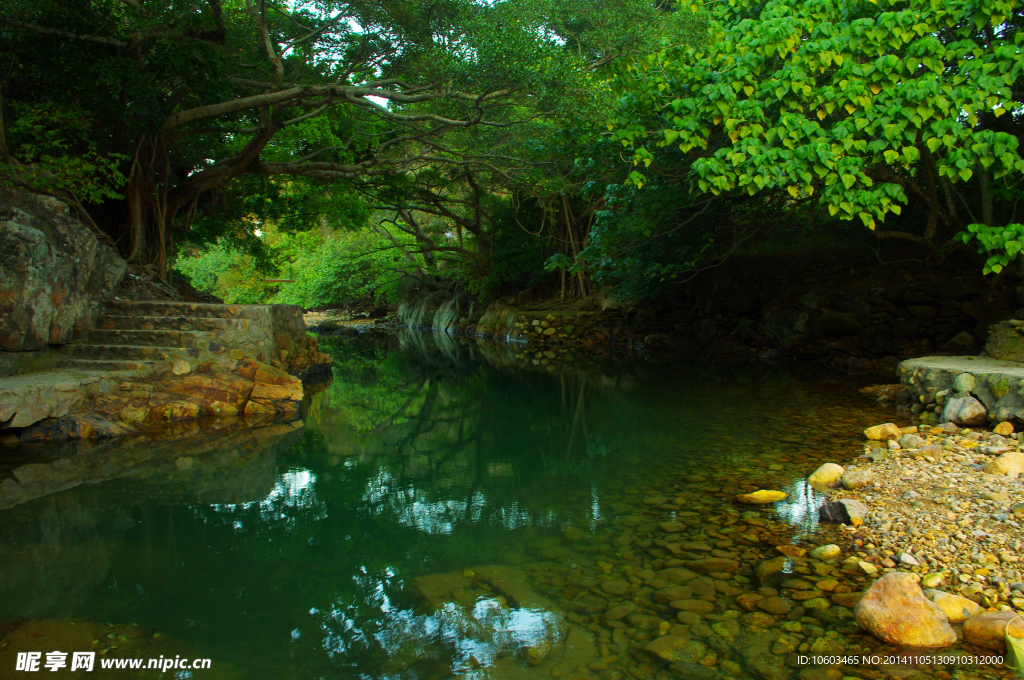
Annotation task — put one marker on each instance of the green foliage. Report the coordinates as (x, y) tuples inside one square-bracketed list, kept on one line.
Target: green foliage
[(517, 262), (1003, 243), (854, 104), (53, 151), (329, 268)]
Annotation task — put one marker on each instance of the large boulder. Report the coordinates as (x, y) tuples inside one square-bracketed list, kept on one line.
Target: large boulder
[(895, 610), (1010, 464), (964, 409), (988, 630), (1006, 340), (54, 272)]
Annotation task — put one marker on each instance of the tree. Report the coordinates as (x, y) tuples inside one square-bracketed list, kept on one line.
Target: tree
[(198, 95), (862, 107)]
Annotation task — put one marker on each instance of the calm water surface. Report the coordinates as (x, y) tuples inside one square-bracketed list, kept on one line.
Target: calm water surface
[(440, 513)]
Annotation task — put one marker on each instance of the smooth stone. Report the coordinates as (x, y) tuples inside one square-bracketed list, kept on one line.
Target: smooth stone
[(883, 432), (1010, 464), (776, 606), (618, 612), (710, 565), (933, 580), (771, 573), (912, 441), (673, 593), (895, 610), (791, 550), (843, 511), (965, 382), (957, 609), (677, 575), (909, 560), (748, 601), (695, 606), (1004, 428), (988, 630), (826, 552), (704, 587), (730, 628), (856, 479), (615, 587), (688, 618), (826, 475), (673, 648), (966, 411), (761, 497), (849, 600), (759, 619)]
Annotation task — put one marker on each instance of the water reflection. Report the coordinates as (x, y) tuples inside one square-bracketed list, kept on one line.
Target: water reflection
[(441, 513)]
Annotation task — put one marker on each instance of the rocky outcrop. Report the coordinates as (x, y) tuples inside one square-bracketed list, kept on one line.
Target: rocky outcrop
[(1006, 340), (418, 313), (54, 273), (150, 363), (88, 405), (895, 610)]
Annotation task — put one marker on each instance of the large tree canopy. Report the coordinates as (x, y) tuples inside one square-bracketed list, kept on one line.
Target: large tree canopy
[(177, 103), (866, 107)]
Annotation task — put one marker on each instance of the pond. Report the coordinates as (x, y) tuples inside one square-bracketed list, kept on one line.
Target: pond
[(445, 510)]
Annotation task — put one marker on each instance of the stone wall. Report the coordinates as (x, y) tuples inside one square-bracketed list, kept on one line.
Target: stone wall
[(851, 312), (252, 366), (970, 390), (296, 352)]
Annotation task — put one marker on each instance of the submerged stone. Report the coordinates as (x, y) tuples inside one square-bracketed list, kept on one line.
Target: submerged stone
[(895, 610), (761, 497)]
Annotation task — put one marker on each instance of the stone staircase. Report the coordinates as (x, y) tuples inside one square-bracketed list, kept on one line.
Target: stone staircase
[(132, 335)]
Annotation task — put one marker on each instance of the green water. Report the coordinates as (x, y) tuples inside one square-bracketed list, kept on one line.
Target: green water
[(294, 555)]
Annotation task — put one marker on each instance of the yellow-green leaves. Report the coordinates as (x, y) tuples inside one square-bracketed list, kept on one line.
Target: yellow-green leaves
[(819, 98)]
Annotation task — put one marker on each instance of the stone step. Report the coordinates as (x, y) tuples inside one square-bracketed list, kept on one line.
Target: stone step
[(151, 338), (127, 352), (185, 309), (103, 365), (170, 323)]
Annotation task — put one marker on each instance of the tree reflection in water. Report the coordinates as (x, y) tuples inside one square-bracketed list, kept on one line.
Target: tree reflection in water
[(426, 455)]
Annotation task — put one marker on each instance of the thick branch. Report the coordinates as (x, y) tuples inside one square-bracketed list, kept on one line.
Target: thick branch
[(64, 34)]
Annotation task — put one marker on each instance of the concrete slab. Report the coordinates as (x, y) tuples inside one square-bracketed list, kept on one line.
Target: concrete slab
[(998, 384)]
